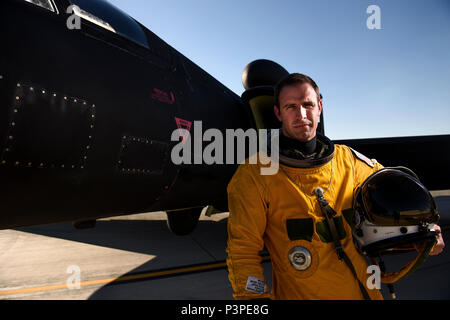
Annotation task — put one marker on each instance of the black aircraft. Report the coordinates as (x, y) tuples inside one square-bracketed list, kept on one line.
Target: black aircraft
[(89, 99)]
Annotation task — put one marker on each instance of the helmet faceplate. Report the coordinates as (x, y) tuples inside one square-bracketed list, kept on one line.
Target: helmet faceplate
[(391, 197)]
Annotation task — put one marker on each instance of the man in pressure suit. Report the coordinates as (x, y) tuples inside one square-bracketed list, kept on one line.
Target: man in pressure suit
[(284, 213)]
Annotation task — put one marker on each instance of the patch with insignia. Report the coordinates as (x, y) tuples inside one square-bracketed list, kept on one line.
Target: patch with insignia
[(363, 158), (300, 258)]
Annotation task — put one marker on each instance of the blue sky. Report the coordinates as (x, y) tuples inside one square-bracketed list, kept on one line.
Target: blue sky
[(376, 83)]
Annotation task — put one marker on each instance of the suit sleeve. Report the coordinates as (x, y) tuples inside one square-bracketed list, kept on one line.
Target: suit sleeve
[(246, 226)]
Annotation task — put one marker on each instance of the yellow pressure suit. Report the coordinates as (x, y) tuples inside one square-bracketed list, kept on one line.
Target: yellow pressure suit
[(281, 212)]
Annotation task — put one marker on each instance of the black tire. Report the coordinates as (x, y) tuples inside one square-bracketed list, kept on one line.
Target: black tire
[(84, 224), (183, 222)]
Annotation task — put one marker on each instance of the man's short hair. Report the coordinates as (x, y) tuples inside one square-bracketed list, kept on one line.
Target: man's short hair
[(294, 79)]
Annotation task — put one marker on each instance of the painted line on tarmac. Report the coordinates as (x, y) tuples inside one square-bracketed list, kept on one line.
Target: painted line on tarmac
[(177, 271)]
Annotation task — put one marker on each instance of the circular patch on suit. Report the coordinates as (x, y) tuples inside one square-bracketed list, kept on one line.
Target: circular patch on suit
[(300, 258)]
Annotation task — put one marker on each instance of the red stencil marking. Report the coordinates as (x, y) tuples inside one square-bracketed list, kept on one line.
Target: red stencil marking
[(163, 96), (183, 124)]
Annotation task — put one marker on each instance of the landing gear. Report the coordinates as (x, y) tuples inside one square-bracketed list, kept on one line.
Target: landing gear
[(183, 222), (84, 224)]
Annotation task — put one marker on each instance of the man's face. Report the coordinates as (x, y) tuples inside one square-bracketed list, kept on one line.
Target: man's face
[(299, 111)]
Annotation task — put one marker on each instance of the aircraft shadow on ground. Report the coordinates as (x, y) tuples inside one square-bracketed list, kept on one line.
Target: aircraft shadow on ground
[(141, 236), (205, 244)]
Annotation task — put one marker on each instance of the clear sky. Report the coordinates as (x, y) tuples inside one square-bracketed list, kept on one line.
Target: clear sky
[(393, 81)]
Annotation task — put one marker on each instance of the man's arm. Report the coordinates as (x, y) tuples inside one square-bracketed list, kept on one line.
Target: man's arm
[(246, 226)]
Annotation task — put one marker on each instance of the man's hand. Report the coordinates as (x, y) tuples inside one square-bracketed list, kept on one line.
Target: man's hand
[(439, 246), (440, 242)]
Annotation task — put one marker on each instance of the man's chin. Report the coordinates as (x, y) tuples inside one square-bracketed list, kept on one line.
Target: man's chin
[(304, 136)]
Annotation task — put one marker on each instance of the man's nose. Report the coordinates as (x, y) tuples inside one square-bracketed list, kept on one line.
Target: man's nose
[(301, 112)]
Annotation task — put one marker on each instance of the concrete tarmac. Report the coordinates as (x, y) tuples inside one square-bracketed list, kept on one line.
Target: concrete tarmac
[(44, 262), (137, 257)]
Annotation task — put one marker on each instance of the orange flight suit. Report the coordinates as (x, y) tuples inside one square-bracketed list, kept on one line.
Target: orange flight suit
[(280, 212)]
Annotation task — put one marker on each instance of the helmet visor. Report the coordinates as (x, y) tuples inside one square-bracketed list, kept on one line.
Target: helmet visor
[(393, 198)]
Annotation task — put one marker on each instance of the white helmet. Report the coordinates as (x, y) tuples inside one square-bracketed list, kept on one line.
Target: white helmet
[(393, 212)]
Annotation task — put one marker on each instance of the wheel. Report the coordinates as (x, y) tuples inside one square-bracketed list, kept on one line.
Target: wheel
[(84, 224), (183, 222)]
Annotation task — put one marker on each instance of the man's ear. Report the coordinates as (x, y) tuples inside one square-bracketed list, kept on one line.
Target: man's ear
[(320, 106), (276, 110)]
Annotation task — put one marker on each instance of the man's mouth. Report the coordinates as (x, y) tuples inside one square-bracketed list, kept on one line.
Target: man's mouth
[(301, 125)]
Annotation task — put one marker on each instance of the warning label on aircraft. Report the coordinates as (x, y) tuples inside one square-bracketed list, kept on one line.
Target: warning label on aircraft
[(162, 96), (183, 124)]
